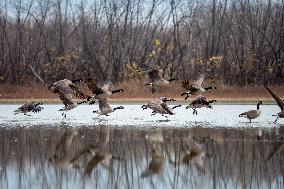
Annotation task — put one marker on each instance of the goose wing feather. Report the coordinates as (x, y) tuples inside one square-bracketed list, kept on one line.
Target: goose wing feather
[(199, 81), (93, 86), (276, 98), (78, 93)]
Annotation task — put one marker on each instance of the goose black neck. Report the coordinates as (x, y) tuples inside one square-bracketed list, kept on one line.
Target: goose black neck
[(49, 87), (117, 91), (258, 104), (208, 88), (211, 101), (76, 80)]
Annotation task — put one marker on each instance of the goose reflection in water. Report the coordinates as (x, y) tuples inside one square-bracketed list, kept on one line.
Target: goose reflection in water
[(192, 156), (66, 147), (156, 164)]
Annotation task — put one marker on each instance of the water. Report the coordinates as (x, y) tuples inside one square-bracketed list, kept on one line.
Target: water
[(226, 151), (133, 115)]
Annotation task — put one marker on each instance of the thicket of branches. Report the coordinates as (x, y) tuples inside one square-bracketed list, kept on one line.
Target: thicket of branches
[(234, 42)]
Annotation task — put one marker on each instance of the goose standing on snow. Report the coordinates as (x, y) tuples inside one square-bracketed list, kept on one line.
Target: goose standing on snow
[(279, 101), (252, 114), (105, 108), (195, 87), (29, 107), (199, 102), (100, 92), (66, 89), (160, 106), (156, 79)]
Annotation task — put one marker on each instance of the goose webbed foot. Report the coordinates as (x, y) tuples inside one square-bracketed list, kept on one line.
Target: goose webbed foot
[(176, 106), (275, 119), (153, 113), (92, 102), (194, 111), (118, 108), (187, 95), (27, 115), (144, 107), (63, 115), (153, 90)]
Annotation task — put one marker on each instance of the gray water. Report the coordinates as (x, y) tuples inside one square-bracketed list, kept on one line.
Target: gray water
[(35, 151)]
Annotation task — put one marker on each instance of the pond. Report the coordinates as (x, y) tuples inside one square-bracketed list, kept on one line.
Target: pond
[(132, 149)]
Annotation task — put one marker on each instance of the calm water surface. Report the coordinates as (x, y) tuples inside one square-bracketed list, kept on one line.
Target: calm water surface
[(131, 149)]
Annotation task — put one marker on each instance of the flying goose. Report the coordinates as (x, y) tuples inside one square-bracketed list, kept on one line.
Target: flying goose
[(160, 106), (199, 102), (156, 79), (105, 108), (252, 114), (29, 107), (195, 87), (66, 89), (100, 92), (279, 102), (156, 164)]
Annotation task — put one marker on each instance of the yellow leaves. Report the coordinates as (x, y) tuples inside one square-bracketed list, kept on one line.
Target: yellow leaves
[(156, 49), (134, 70), (157, 42), (199, 61), (216, 59)]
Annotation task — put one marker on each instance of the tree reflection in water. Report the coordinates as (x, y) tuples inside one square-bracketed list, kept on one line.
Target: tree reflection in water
[(105, 157)]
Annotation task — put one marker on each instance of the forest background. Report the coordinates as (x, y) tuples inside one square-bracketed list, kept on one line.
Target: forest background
[(237, 44)]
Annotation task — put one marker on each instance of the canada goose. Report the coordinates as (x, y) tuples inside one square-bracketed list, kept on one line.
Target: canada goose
[(279, 102), (156, 164), (252, 114), (160, 106), (29, 107), (105, 108), (66, 90), (199, 102), (195, 87), (156, 79), (100, 92)]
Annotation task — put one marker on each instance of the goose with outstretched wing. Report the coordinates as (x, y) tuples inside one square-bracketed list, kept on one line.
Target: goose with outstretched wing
[(160, 106), (67, 90), (156, 79), (279, 101), (105, 107), (195, 87), (29, 107), (100, 92), (199, 102)]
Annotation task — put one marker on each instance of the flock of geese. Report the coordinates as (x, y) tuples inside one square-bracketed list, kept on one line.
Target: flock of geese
[(68, 91)]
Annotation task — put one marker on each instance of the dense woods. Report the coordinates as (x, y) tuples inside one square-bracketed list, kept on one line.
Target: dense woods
[(234, 42)]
